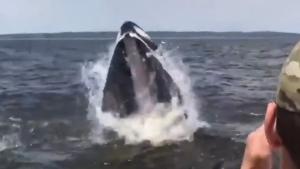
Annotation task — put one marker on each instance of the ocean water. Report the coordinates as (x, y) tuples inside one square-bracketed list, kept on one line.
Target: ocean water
[(45, 115)]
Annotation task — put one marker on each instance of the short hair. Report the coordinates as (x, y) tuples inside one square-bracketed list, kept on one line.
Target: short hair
[(288, 128)]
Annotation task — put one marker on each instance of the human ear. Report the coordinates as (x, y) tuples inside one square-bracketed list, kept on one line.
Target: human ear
[(270, 126)]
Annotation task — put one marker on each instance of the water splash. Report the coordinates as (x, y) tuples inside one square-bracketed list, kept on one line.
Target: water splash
[(9, 141), (163, 124)]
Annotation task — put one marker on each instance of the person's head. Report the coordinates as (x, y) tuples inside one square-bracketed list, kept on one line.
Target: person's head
[(282, 122)]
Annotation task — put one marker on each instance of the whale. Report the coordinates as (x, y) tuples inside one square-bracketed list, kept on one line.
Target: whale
[(136, 81)]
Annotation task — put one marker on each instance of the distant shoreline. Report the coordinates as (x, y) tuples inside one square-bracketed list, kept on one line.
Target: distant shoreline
[(155, 35)]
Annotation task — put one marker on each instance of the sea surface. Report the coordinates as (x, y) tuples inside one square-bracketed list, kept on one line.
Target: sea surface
[(44, 102)]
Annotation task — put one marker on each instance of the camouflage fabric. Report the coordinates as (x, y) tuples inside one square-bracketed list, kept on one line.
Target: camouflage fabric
[(288, 91)]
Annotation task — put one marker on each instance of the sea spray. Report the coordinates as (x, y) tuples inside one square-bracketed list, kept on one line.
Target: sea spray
[(9, 141)]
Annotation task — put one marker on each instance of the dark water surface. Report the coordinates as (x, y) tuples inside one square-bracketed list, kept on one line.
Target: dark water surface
[(43, 104)]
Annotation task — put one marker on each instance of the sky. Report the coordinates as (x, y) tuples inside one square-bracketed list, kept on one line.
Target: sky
[(36, 16)]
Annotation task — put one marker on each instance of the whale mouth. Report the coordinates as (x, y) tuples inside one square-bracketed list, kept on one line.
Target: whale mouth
[(136, 80), (130, 29), (130, 41)]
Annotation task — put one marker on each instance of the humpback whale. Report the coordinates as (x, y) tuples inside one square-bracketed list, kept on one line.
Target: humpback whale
[(136, 81)]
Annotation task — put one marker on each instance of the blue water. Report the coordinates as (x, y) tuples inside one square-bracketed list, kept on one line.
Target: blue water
[(44, 104)]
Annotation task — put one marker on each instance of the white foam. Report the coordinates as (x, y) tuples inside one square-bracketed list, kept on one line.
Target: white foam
[(163, 124), (9, 141)]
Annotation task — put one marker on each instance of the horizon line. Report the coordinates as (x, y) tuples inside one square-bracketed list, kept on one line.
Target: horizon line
[(151, 31)]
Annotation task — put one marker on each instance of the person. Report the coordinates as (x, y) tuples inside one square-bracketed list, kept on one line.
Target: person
[(280, 132)]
